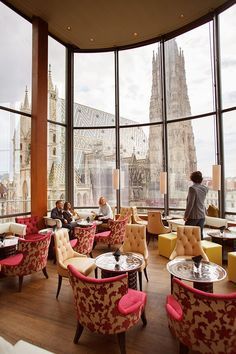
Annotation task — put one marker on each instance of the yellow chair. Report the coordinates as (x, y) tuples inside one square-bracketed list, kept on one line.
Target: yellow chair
[(65, 255), (155, 225), (188, 243), (213, 251), (166, 244), (135, 242), (136, 219), (232, 266)]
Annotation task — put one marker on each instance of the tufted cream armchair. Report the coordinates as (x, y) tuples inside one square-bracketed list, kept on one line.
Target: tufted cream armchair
[(65, 255), (155, 225), (135, 241), (136, 218), (124, 212), (188, 243)]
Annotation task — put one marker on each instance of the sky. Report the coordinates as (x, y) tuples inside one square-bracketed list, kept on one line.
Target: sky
[(94, 79)]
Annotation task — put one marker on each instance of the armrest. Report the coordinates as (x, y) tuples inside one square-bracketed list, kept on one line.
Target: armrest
[(173, 308), (52, 222), (18, 229)]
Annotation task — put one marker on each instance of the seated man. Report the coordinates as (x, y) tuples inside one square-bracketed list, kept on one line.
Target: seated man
[(57, 213)]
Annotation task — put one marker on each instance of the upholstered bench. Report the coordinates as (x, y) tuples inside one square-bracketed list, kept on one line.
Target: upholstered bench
[(213, 251), (232, 266), (166, 244)]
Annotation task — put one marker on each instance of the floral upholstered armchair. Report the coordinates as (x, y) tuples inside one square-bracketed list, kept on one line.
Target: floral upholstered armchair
[(106, 306), (32, 257), (32, 229), (203, 322), (115, 235), (83, 243)]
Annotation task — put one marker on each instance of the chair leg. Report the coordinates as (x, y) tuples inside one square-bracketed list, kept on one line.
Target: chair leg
[(140, 281), (96, 273), (121, 340), (143, 317), (45, 272), (183, 349), (91, 254), (78, 332), (145, 273), (94, 244), (59, 285), (20, 282)]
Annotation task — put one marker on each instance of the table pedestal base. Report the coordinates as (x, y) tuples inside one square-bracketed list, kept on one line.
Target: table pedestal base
[(132, 277), (207, 287)]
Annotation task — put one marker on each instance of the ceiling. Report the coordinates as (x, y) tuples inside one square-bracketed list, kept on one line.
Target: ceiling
[(96, 24)]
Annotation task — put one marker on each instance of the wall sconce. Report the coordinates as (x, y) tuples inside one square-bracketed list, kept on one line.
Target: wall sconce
[(216, 177), (116, 179), (163, 182)]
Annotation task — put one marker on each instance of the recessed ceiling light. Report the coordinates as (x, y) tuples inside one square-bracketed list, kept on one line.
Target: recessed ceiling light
[(135, 34), (91, 39), (68, 28)]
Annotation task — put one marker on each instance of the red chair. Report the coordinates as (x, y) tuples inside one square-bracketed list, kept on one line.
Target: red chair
[(32, 257), (106, 306), (116, 234), (31, 223), (203, 322), (83, 243)]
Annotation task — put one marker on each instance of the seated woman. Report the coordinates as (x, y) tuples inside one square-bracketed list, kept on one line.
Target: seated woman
[(104, 211), (69, 214)]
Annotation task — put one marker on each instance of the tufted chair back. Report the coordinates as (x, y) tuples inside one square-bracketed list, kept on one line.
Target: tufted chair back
[(135, 240), (124, 213), (106, 306), (203, 322), (65, 255), (155, 225), (35, 254), (31, 223), (135, 217), (188, 243), (85, 238), (63, 247)]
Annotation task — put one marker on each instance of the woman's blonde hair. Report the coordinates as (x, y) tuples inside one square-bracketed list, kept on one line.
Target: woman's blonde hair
[(100, 199)]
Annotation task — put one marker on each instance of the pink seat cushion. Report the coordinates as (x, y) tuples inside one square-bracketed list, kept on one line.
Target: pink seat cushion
[(173, 308), (12, 260), (73, 242), (102, 234), (132, 301)]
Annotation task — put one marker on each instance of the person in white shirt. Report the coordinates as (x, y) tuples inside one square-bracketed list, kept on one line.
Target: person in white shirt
[(104, 211)]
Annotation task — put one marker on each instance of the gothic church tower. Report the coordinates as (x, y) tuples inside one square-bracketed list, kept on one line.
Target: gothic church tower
[(181, 148)]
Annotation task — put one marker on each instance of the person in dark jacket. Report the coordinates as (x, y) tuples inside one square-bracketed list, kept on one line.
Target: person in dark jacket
[(57, 213), (195, 209)]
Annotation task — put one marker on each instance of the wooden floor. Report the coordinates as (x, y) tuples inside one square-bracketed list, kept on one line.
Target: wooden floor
[(36, 316)]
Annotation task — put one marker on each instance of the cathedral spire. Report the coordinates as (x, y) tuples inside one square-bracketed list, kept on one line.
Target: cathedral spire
[(50, 84), (26, 101)]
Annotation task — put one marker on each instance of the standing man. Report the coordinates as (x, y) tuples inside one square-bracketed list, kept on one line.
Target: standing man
[(195, 209)]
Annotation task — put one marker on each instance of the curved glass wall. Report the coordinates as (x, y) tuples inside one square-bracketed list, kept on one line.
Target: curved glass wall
[(56, 166), (156, 112), (166, 113), (15, 112)]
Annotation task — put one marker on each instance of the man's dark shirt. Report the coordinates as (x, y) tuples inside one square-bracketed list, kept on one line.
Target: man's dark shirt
[(57, 214)]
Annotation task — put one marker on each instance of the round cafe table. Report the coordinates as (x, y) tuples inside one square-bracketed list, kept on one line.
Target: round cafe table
[(128, 263), (85, 223), (203, 279), (8, 246)]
